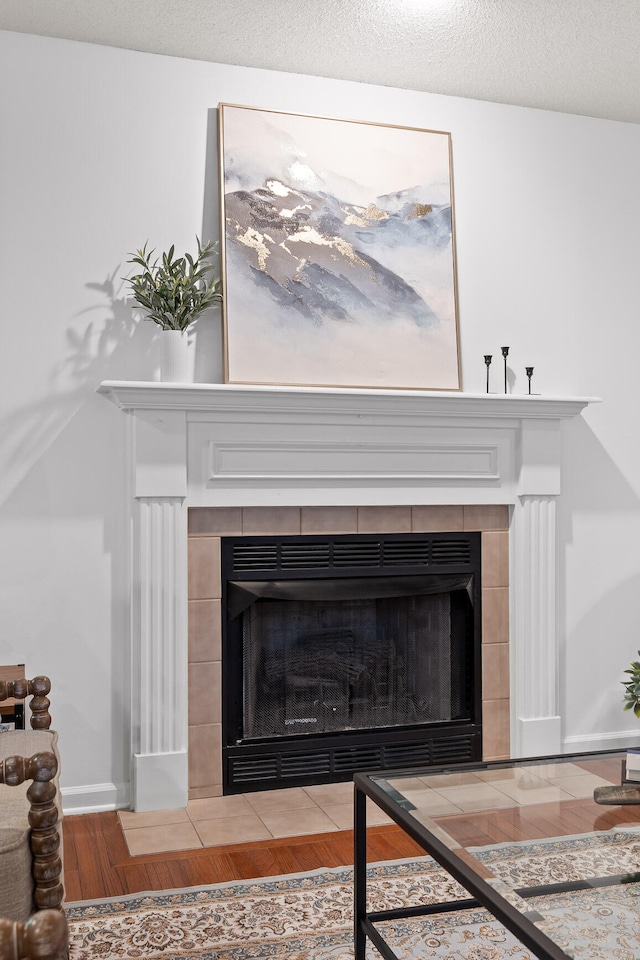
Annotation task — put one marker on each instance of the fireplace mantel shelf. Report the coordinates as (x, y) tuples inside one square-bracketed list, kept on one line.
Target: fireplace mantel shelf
[(228, 398)]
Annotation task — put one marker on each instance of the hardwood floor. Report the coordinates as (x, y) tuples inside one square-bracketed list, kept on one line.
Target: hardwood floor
[(97, 863)]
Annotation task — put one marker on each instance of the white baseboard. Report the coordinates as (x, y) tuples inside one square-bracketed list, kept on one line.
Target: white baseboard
[(620, 740), (95, 798)]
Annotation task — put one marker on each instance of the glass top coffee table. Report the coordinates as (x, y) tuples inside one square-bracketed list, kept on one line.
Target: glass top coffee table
[(525, 841)]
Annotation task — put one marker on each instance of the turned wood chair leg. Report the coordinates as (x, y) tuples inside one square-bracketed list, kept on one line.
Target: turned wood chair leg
[(44, 936)]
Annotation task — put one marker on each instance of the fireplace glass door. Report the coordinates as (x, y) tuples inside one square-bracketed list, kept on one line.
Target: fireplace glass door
[(319, 662), (354, 663)]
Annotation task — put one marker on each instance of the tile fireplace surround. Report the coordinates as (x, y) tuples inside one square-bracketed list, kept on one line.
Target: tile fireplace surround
[(208, 460)]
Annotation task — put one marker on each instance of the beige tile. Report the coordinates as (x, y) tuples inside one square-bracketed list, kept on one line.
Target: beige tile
[(495, 615), (481, 796), (205, 630), (375, 816), (130, 820), (298, 822), (205, 755), (528, 789), (226, 830), (331, 793), (215, 521), (495, 558), (172, 837), (277, 801), (495, 730), (493, 776), (453, 779), (401, 784), (384, 519), (480, 517), (328, 520), (342, 815), (205, 793), (432, 803), (204, 568), (495, 671), (437, 519), (205, 693), (552, 771), (580, 787), (216, 808), (267, 521)]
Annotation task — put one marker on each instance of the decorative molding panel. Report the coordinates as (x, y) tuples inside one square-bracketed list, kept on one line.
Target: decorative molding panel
[(305, 459)]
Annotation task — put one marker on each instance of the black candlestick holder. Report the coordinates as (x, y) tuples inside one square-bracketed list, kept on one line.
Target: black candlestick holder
[(505, 354), (487, 360), (529, 373)]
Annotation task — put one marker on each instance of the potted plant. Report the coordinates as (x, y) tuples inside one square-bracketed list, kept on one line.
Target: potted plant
[(174, 291), (632, 687), (628, 791)]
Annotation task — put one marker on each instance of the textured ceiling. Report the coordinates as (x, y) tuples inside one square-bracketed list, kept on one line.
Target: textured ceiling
[(577, 56)]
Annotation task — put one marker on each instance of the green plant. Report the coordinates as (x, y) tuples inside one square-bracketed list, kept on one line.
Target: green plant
[(174, 291), (632, 688)]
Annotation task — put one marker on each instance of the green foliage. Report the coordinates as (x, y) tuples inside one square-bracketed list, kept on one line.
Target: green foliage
[(632, 688), (174, 291)]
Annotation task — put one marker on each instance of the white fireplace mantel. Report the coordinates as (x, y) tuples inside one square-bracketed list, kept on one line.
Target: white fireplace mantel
[(233, 445)]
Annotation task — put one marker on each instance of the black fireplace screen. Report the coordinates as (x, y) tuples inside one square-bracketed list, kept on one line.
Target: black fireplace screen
[(348, 652), (352, 662)]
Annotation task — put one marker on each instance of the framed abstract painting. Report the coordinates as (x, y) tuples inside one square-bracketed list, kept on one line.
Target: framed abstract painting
[(338, 252)]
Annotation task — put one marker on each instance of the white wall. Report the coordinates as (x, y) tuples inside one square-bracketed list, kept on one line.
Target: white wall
[(104, 148)]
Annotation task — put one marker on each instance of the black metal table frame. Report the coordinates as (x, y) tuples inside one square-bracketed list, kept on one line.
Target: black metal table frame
[(482, 894)]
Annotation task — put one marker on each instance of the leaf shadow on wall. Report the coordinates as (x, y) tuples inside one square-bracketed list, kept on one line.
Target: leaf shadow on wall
[(63, 512), (115, 345)]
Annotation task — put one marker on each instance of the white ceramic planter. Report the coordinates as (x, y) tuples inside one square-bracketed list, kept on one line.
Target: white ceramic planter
[(174, 356)]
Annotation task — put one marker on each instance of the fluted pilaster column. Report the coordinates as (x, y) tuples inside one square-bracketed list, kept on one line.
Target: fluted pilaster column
[(161, 539), (159, 616), (535, 629)]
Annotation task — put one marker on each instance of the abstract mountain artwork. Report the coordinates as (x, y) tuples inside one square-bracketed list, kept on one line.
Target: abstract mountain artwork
[(338, 252)]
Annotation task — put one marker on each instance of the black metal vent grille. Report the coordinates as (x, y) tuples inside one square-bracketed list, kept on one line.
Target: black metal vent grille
[(340, 762), (255, 770), (451, 551), (293, 555), (251, 557)]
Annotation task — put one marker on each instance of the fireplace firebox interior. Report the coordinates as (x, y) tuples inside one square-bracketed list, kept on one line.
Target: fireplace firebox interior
[(348, 652)]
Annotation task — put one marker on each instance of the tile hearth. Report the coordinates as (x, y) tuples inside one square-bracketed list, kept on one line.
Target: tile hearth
[(327, 808), (265, 815)]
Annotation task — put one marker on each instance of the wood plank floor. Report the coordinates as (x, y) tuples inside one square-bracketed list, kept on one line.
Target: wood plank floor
[(97, 863)]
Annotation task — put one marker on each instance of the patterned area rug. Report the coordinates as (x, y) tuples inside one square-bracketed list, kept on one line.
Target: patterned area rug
[(564, 859), (310, 916)]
